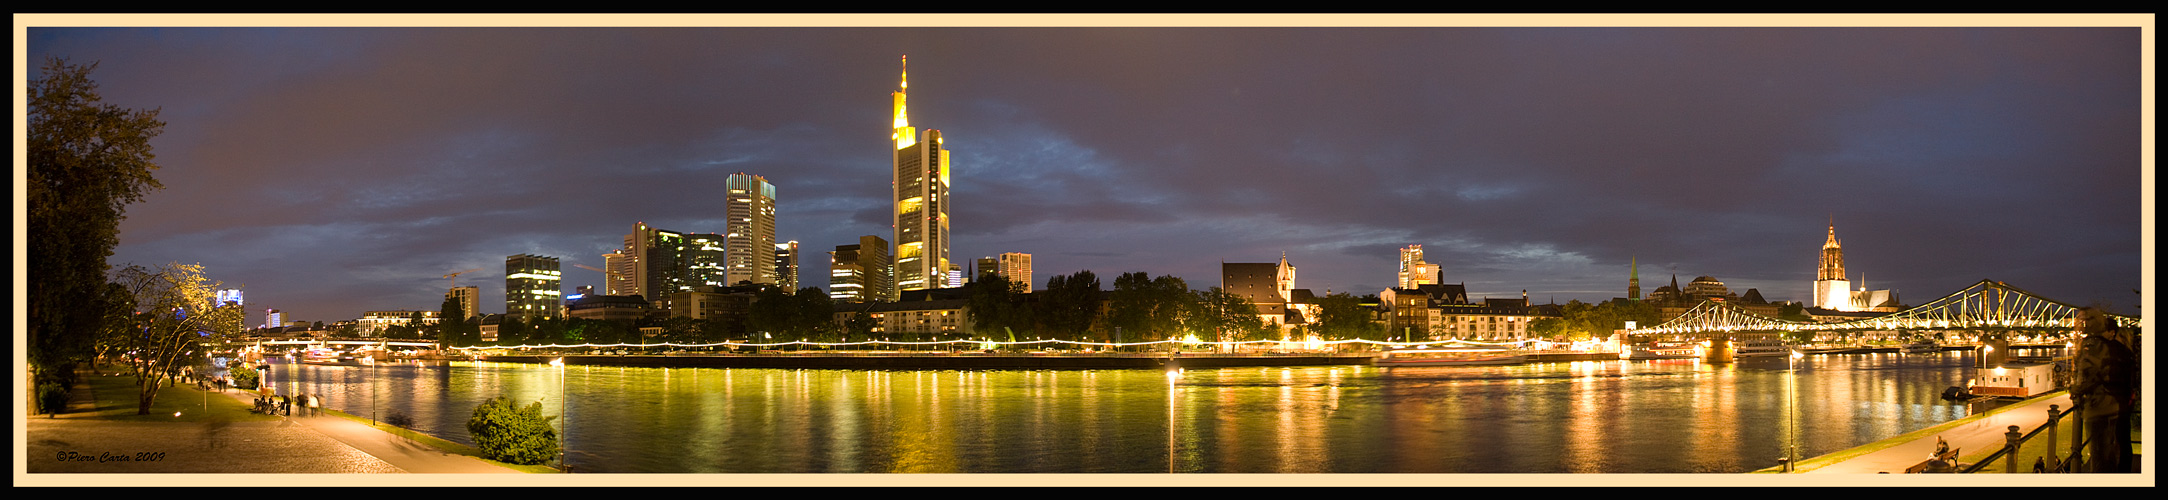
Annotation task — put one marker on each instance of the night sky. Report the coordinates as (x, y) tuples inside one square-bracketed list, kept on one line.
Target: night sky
[(329, 171)]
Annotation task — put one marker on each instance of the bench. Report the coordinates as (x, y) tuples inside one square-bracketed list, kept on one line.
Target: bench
[(1949, 458)]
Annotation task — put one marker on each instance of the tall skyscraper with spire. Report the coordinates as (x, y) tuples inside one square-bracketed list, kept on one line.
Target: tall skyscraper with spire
[(922, 201)]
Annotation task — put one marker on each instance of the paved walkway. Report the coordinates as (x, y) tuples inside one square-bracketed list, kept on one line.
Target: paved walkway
[(1971, 439), (74, 442)]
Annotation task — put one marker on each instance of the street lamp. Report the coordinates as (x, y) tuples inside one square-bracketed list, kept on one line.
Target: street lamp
[(371, 361), (562, 439), (1791, 417)]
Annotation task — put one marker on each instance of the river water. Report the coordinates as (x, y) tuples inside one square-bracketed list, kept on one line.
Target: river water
[(1660, 416)]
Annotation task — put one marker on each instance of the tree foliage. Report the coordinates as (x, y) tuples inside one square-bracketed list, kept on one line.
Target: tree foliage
[(87, 160), (1341, 316), (1147, 309), (176, 314), (1216, 315), (513, 434), (1069, 307), (999, 309)]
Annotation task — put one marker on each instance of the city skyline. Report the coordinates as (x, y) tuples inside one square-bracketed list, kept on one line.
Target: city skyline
[(352, 168)]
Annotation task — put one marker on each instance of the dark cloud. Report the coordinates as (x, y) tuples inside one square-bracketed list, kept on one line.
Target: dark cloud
[(334, 170)]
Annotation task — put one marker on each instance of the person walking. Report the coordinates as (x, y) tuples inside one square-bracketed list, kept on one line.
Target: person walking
[(2107, 373)]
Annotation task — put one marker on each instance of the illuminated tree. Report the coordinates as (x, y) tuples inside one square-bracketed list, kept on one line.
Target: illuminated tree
[(176, 316), (87, 161)]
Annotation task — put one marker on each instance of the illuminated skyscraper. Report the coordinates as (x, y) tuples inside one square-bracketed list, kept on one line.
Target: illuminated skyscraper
[(532, 287), (750, 235), (921, 182), (1016, 267)]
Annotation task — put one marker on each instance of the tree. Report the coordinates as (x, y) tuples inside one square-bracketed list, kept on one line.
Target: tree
[(998, 308), (1070, 305), (513, 434), (1217, 315), (1341, 316), (87, 161), (176, 314)]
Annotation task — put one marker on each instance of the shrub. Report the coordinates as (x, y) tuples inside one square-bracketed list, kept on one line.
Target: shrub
[(400, 420), (512, 434), (52, 397)]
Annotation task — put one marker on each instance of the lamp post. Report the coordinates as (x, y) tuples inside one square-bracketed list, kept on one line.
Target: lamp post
[(562, 439), (1791, 418), (371, 361)]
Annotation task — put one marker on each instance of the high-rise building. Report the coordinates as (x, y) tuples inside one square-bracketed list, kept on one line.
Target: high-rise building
[(861, 272), (1413, 271), (786, 265), (921, 182), (470, 300), (532, 287), (229, 296), (618, 273), (1016, 267), (271, 318), (750, 232)]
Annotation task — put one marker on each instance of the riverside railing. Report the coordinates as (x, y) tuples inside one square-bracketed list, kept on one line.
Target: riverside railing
[(2053, 462)]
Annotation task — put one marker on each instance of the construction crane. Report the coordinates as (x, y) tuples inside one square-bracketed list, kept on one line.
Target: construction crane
[(608, 278), (455, 276)]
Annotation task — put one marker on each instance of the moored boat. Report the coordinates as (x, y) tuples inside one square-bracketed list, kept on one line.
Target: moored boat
[(1924, 346), (1761, 350), (1661, 350), (1449, 357)]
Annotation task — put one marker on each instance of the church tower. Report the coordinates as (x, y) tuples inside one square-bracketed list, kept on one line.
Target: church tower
[(1633, 280), (1831, 290)]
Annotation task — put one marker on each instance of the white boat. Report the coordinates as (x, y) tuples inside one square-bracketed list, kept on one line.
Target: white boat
[(329, 357), (1921, 347), (1449, 357), (1761, 350), (1661, 350), (2013, 380)]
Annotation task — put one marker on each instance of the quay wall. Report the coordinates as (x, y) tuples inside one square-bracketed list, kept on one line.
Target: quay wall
[(939, 361)]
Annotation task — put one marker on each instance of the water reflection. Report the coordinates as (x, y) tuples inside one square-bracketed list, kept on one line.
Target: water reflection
[(1591, 416)]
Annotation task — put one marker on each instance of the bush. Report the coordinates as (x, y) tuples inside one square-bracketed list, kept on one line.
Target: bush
[(244, 378), (511, 434), (52, 397), (400, 420)]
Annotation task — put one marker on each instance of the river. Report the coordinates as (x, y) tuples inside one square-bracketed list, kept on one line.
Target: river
[(1660, 416)]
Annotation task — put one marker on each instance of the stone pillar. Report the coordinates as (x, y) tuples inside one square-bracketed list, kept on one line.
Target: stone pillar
[(2009, 459), (1992, 353), (2052, 459), (1720, 351)]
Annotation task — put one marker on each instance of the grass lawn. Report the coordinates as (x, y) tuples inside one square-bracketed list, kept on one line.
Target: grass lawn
[(117, 397), (117, 400)]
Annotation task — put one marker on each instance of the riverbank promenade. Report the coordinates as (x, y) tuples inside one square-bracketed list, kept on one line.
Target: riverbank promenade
[(214, 433)]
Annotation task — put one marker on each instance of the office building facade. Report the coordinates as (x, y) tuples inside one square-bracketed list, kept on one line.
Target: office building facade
[(861, 272), (749, 235), (533, 287)]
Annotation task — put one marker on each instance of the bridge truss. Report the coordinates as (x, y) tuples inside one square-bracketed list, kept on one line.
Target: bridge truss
[(1988, 305)]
